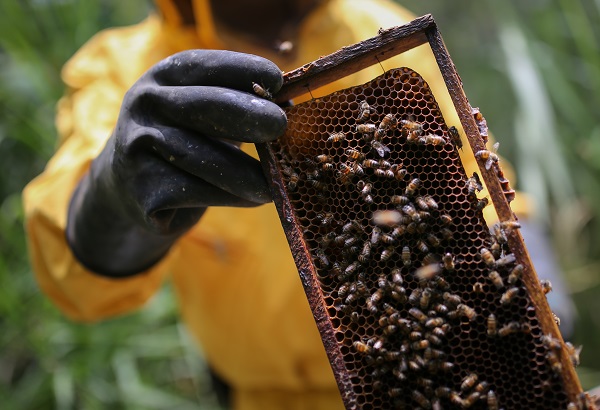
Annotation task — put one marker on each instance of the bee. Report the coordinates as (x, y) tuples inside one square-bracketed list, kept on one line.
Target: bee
[(441, 309), (398, 231), (420, 399), (354, 154), (427, 272), (506, 260), (509, 329), (433, 240), (361, 347), (414, 335), (415, 296), (375, 235), (336, 137), (554, 362), (446, 219), (551, 342), (481, 204), (574, 353), (443, 392), (364, 111), (432, 139), (388, 239), (434, 322), (389, 122), (410, 210), (322, 257), (435, 340), (492, 325), (354, 317), (421, 246), (515, 274), (510, 225), (572, 406), (366, 128), (492, 400), (370, 163), (425, 298), (323, 158), (315, 183), (365, 253), (365, 188), (386, 253), (451, 298), (509, 296), (373, 300), (430, 258), (412, 187), (418, 314), (400, 174), (546, 286), (413, 130), (293, 182), (397, 277), (381, 148), (348, 242), (466, 311), (556, 319), (446, 366), (490, 157), (496, 279), (406, 256), (400, 200), (482, 387), (487, 257), (499, 233), (345, 173), (325, 218), (455, 137), (471, 399), (350, 269), (261, 91), (448, 262), (420, 345), (474, 185)]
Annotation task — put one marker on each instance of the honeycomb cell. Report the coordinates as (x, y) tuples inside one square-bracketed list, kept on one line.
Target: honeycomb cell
[(409, 324)]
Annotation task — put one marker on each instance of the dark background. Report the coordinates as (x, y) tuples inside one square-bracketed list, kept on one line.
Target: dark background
[(532, 67)]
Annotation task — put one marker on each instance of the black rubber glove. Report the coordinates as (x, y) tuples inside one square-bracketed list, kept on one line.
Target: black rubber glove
[(173, 154)]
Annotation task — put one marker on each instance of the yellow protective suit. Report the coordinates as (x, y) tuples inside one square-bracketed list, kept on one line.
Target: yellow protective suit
[(235, 278)]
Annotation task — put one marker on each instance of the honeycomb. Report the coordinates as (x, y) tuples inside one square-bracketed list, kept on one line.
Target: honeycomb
[(424, 302)]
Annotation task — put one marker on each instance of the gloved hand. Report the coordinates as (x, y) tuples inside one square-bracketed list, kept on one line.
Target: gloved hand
[(173, 153)]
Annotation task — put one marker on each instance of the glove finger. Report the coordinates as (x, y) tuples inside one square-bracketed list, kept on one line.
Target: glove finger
[(218, 68), (219, 164), (215, 112)]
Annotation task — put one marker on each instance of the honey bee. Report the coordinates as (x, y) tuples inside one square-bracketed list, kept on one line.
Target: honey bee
[(425, 298), (400, 174), (451, 298), (457, 400), (375, 235), (556, 319), (509, 296), (554, 362), (354, 154), (509, 329), (471, 399), (415, 296), (412, 187), (365, 253), (496, 279), (345, 173), (466, 311), (398, 230), (432, 139), (389, 122), (414, 130), (515, 274), (572, 406), (388, 239), (435, 340), (487, 257), (293, 182), (506, 260), (430, 258), (433, 240), (326, 218), (323, 158), (546, 286), (420, 345), (492, 400), (418, 314), (364, 111), (410, 210), (574, 353), (482, 387), (400, 200), (455, 137), (491, 157), (481, 204), (474, 185), (315, 183), (322, 257), (363, 348), (350, 269), (380, 148), (386, 253), (366, 128), (550, 342), (427, 272), (397, 277), (373, 300), (370, 163), (492, 325), (434, 322), (499, 233), (510, 225), (406, 256), (446, 366), (422, 247), (336, 137), (446, 219), (261, 91), (443, 392), (348, 242), (420, 399), (448, 262)]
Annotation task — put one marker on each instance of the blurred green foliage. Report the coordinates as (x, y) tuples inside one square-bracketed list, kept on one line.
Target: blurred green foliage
[(532, 67)]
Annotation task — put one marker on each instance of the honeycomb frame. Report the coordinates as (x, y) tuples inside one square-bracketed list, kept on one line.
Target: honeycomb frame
[(397, 371)]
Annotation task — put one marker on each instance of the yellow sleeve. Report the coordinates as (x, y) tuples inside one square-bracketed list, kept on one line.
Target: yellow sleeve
[(85, 118)]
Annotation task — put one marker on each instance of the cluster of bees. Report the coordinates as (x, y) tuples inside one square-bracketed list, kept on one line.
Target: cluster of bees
[(389, 266)]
